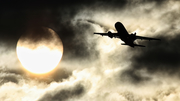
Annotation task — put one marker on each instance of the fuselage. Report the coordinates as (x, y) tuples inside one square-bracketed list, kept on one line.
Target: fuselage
[(124, 35)]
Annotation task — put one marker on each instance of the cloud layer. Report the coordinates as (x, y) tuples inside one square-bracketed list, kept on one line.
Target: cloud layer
[(96, 68)]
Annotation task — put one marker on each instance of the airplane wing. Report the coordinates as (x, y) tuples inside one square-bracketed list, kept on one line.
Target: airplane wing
[(146, 38), (103, 34), (111, 35)]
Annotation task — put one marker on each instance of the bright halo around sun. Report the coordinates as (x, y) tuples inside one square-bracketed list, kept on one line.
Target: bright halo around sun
[(39, 50)]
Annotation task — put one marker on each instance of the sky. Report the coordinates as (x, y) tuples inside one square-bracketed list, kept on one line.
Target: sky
[(94, 68)]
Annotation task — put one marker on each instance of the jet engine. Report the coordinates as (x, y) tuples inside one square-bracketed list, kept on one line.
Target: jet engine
[(133, 36), (110, 34)]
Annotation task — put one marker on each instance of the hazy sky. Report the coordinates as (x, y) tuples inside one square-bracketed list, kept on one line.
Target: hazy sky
[(94, 68)]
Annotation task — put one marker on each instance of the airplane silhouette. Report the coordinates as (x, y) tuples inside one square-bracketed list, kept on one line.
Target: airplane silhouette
[(125, 36)]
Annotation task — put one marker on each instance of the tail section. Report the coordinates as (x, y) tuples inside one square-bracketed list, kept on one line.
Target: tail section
[(139, 45)]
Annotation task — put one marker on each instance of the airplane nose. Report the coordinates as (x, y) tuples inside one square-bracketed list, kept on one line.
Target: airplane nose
[(117, 25)]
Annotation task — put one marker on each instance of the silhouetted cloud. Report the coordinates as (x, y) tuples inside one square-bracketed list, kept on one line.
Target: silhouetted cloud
[(63, 94)]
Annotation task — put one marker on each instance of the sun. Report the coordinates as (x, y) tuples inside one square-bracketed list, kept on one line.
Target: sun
[(40, 60), (40, 56)]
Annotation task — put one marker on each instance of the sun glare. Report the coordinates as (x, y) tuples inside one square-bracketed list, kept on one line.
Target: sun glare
[(39, 60)]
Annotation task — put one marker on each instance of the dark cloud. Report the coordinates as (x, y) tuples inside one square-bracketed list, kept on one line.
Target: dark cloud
[(37, 34), (75, 41), (95, 23), (15, 17), (64, 94), (59, 74), (14, 23), (133, 76), (158, 57), (8, 78), (16, 20), (161, 56), (7, 75)]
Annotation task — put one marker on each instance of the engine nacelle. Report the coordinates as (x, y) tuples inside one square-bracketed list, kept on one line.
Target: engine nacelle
[(110, 34), (133, 36)]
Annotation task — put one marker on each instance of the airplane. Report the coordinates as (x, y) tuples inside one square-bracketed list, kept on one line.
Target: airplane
[(125, 36)]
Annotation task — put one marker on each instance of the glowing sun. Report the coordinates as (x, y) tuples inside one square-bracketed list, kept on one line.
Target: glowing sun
[(39, 50)]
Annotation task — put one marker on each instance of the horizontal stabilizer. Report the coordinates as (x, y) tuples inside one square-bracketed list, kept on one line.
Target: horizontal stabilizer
[(133, 45), (139, 45)]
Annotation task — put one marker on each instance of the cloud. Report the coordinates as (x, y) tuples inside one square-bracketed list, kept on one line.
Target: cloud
[(159, 57), (99, 68), (83, 46), (63, 94), (8, 77), (134, 76)]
